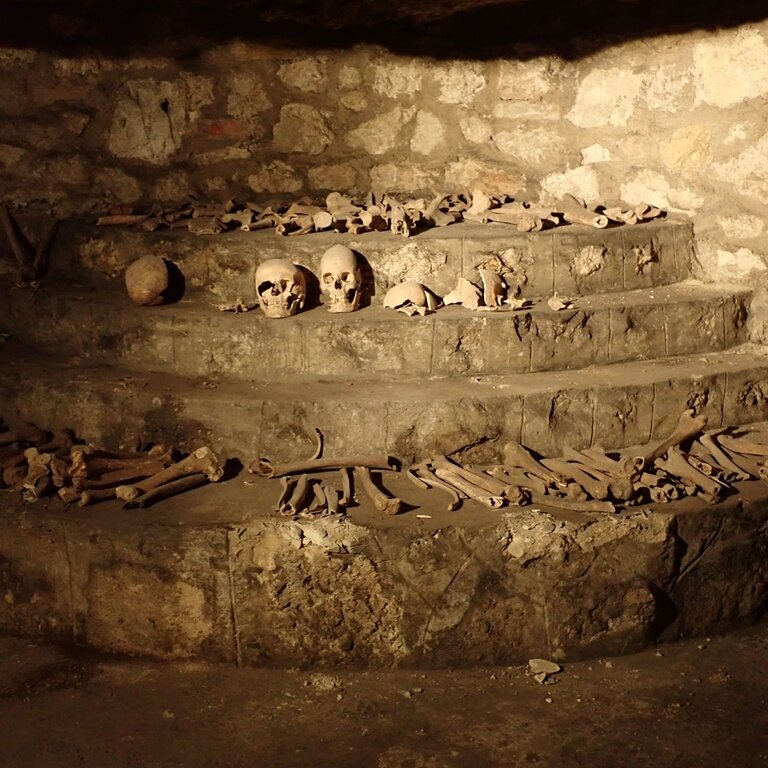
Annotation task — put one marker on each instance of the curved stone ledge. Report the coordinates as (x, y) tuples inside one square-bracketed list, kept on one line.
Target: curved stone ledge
[(203, 579)]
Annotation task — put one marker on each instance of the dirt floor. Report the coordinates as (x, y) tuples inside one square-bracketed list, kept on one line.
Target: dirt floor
[(695, 703)]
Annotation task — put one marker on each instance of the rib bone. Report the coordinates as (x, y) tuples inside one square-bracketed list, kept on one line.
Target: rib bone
[(265, 468)]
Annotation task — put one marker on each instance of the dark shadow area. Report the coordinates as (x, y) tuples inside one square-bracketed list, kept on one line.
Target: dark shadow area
[(232, 469), (312, 299), (177, 284), (513, 29), (368, 282)]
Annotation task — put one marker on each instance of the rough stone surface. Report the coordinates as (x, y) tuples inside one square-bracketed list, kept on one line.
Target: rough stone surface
[(380, 135), (275, 177), (429, 133), (459, 81), (308, 75), (606, 96), (302, 129)]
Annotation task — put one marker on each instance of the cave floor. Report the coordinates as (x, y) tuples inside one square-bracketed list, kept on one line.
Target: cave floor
[(692, 703)]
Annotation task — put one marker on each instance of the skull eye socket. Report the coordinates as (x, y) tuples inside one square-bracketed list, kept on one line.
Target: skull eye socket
[(327, 278), (345, 276)]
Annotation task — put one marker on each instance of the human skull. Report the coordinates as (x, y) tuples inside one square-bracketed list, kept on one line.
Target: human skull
[(340, 279), (281, 288), (410, 298)]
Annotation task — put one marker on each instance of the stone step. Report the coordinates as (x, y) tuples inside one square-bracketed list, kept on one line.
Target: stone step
[(193, 339), (614, 405), (570, 260)]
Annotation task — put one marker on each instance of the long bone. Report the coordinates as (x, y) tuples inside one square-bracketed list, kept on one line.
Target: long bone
[(575, 213), (99, 494), (166, 490), (298, 498), (470, 489), (97, 467), (384, 502), (265, 468), (676, 464), (688, 426), (721, 458), (487, 483), (597, 489), (574, 504), (422, 476), (605, 471), (519, 478), (517, 455), (37, 479), (116, 477), (743, 445), (203, 460), (747, 464), (596, 457)]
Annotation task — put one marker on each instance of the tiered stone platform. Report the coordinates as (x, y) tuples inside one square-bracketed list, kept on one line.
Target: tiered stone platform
[(216, 574)]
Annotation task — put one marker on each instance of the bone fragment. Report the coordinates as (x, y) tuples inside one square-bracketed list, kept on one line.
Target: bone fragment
[(332, 499), (298, 497), (517, 455), (205, 225), (382, 501), (92, 496), (265, 468), (574, 504), (481, 202), (597, 489), (688, 426), (596, 457), (318, 452), (487, 483), (730, 470), (743, 445), (747, 464), (493, 288), (519, 478), (574, 491), (676, 464), (286, 484), (346, 486), (559, 303), (621, 215), (465, 293), (68, 495), (646, 212), (470, 489), (203, 460), (121, 219), (574, 213), (166, 490), (423, 477)]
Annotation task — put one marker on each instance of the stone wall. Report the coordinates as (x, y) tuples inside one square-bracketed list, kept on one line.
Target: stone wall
[(678, 120)]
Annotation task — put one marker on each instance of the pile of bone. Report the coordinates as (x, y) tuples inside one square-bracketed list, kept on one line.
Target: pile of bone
[(305, 496), (383, 212), (690, 462), (38, 464)]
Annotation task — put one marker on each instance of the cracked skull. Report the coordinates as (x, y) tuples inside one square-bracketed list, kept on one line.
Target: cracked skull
[(340, 279), (281, 288)]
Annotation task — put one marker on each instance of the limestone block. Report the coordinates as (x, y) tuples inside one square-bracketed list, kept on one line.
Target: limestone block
[(349, 77), (581, 181), (246, 96), (736, 310), (434, 265), (149, 120), (336, 345), (403, 178), (490, 177), (555, 419), (741, 226), (637, 333), (379, 135), (34, 577), (334, 177), (623, 416), (302, 128), (703, 394), (729, 67), (565, 339), (274, 177), (606, 97), (305, 74), (694, 327), (688, 149), (740, 266), (595, 153), (748, 171), (354, 101), (396, 78), (460, 81), (475, 129), (473, 344), (529, 80), (648, 186), (669, 87), (161, 594), (535, 146), (429, 133)]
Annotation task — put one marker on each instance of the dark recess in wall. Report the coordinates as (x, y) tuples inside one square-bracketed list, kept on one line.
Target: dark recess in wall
[(447, 29)]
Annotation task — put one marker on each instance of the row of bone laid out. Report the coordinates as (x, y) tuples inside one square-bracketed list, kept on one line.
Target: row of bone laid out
[(281, 288)]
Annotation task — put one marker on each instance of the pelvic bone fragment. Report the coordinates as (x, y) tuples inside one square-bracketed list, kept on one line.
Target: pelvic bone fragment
[(280, 287), (340, 279)]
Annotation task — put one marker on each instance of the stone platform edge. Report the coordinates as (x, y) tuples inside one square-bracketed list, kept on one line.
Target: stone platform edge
[(332, 593)]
